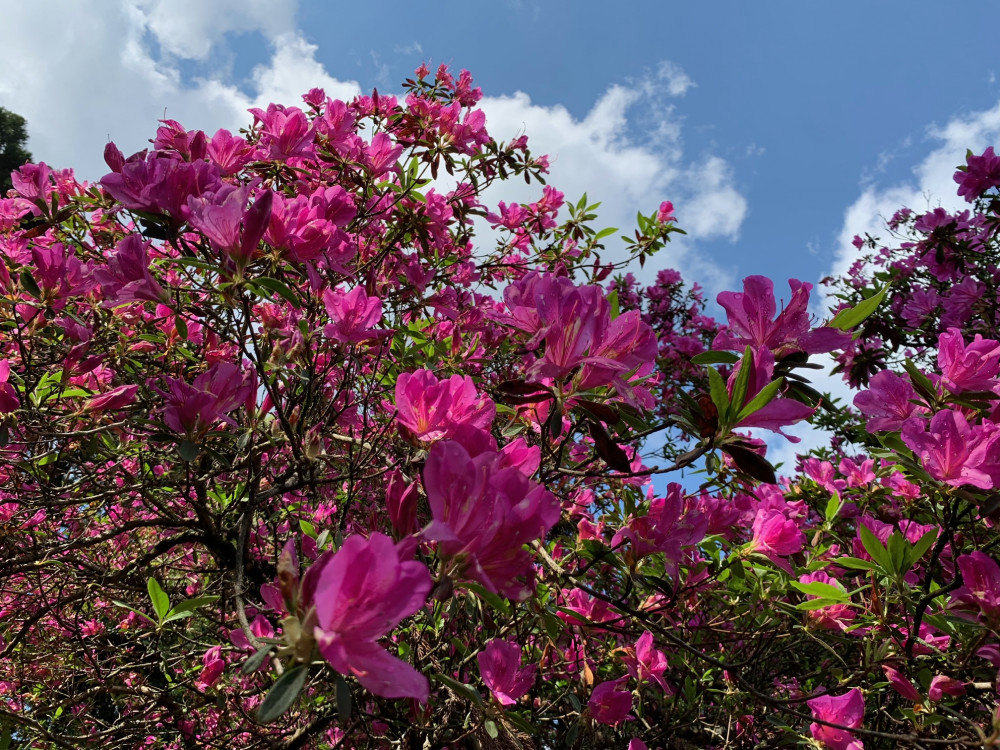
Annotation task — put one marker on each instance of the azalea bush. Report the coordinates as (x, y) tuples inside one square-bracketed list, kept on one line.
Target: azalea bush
[(306, 443)]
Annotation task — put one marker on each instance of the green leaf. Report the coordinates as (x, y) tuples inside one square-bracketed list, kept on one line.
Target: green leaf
[(923, 544), (605, 233), (874, 548), (762, 399), (277, 287), (817, 604), (822, 590), (855, 563), (717, 389), (344, 702), (188, 450), (833, 506), (845, 320), (159, 598), (460, 688), (29, 284), (256, 659), (740, 385), (491, 728), (187, 607), (613, 301), (897, 548), (282, 694), (715, 358)]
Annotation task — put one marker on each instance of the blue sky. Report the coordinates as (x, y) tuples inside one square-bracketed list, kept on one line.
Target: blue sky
[(779, 129), (765, 123)]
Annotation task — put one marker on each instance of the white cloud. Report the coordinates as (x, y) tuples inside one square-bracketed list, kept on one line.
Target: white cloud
[(100, 76), (931, 184), (613, 156), (114, 75)]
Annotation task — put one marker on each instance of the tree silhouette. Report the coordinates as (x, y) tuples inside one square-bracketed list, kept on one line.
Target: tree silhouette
[(13, 135)]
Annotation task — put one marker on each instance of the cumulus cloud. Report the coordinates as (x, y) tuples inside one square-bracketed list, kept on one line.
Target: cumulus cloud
[(114, 75), (81, 78), (627, 153), (931, 184)]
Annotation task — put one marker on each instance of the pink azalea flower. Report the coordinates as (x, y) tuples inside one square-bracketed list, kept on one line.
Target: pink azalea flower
[(609, 704), (9, 401), (953, 451), (126, 277), (500, 667), (968, 367), (981, 174), (192, 409), (665, 528), (779, 412), (888, 403), (645, 662), (980, 588), (362, 592), (285, 132), (233, 229), (430, 409), (213, 665), (354, 315), (901, 685), (752, 321), (942, 685), (776, 536), (116, 398), (483, 515), (847, 710)]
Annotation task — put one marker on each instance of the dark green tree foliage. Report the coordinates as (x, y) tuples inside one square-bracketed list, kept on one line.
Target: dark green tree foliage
[(13, 136)]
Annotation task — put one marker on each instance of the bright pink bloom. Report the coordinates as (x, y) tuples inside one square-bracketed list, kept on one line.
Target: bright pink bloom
[(901, 685), (233, 229), (665, 213), (213, 664), (942, 685), (968, 367), (752, 321), (231, 153), (354, 315), (980, 585), (847, 710), (192, 409), (777, 413), (981, 173), (9, 401), (888, 403), (645, 662), (285, 132), (362, 592), (953, 451), (126, 277), (430, 409), (116, 398), (775, 536), (483, 515), (832, 617), (665, 528), (500, 667), (609, 704)]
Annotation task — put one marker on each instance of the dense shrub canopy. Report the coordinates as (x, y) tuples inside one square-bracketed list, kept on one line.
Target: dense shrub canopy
[(292, 458)]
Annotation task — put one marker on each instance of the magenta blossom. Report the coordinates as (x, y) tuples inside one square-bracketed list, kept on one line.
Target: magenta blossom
[(362, 592), (646, 662), (484, 515), (354, 315), (609, 704), (980, 588), (752, 321), (981, 174), (500, 667), (968, 367), (952, 450), (888, 403), (847, 710), (192, 409), (430, 409), (776, 536)]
